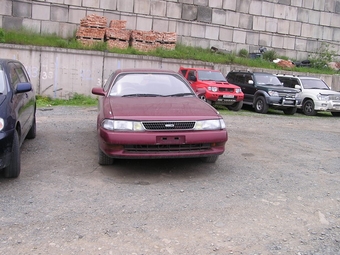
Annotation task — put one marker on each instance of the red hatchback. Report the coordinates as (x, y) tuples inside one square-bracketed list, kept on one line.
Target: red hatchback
[(156, 114)]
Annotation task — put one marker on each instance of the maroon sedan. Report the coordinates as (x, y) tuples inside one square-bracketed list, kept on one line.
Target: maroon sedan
[(156, 114)]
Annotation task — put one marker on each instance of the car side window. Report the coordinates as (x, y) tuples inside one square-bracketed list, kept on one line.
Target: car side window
[(248, 78), (184, 72), (23, 77), (108, 83), (13, 76), (288, 82), (238, 79), (192, 75)]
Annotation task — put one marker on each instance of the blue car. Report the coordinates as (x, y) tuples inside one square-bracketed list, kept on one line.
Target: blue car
[(17, 114)]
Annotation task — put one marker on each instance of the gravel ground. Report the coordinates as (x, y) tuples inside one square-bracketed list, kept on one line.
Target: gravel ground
[(276, 190)]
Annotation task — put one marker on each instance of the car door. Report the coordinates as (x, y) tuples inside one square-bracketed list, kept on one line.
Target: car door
[(29, 97), (20, 101), (242, 80)]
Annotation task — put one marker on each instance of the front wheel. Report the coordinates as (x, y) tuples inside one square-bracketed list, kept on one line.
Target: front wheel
[(33, 130), (13, 169), (235, 106), (103, 159), (290, 111), (260, 105), (308, 108)]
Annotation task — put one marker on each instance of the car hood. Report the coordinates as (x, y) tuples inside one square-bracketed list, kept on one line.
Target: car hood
[(322, 91), (278, 88), (161, 108), (220, 84)]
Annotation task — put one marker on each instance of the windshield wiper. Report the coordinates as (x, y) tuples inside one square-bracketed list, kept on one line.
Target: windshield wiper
[(142, 95), (180, 95)]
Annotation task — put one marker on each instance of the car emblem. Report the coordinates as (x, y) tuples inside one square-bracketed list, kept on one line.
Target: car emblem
[(169, 125)]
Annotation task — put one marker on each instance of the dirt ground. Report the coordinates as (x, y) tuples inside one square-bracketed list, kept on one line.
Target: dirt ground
[(276, 190)]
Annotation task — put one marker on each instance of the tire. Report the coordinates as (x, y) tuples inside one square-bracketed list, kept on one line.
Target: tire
[(210, 159), (290, 111), (308, 108), (203, 98), (235, 106), (260, 105), (103, 159), (13, 169), (33, 130), (336, 114)]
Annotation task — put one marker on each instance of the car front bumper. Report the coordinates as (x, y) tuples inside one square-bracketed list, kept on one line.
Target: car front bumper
[(162, 144), (283, 102), (223, 98), (331, 106), (6, 141)]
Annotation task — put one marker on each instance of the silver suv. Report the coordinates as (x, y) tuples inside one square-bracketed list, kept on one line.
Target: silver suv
[(314, 93)]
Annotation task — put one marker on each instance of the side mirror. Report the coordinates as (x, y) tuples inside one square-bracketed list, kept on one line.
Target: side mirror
[(98, 91), (297, 87), (251, 82), (23, 87)]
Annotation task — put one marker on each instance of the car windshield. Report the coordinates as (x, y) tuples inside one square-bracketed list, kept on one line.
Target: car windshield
[(2, 82), (267, 79), (207, 75), (314, 84), (150, 85)]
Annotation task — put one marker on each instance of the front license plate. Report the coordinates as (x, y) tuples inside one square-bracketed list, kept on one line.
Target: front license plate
[(228, 96), (170, 139)]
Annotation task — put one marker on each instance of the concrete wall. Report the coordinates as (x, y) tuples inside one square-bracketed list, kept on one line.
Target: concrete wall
[(293, 28), (60, 73)]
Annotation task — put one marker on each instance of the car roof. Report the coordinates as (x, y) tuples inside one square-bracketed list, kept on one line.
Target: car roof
[(145, 70), (5, 61), (248, 72), (299, 77), (199, 68)]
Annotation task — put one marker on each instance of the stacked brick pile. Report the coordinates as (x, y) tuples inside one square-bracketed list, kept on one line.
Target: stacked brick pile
[(143, 40), (166, 40), (92, 29), (116, 35)]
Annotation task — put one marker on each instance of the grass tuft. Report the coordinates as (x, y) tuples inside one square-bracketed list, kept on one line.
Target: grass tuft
[(76, 100)]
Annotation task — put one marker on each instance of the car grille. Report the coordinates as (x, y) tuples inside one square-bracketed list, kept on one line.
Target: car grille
[(167, 148), (169, 125), (285, 94), (334, 97), (226, 90)]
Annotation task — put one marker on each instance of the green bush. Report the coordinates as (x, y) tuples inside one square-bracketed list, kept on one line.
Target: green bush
[(269, 55), (322, 57), (2, 35), (243, 53)]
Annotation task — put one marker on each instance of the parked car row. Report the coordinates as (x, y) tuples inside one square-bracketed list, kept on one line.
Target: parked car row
[(147, 113), (263, 90)]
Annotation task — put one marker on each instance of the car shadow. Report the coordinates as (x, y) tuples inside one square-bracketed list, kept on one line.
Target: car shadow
[(154, 170)]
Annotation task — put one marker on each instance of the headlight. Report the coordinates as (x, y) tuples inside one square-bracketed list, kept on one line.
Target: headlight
[(2, 124), (273, 93), (238, 90), (322, 97), (213, 89), (122, 125), (209, 125)]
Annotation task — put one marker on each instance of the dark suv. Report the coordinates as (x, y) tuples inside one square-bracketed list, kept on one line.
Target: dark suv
[(17, 114), (263, 90)]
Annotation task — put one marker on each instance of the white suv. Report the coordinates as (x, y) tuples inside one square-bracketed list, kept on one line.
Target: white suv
[(315, 94)]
